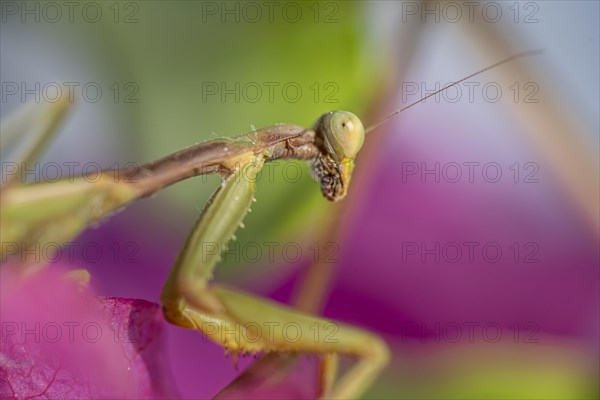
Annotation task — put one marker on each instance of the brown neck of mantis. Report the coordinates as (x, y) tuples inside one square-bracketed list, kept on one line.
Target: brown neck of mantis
[(221, 156)]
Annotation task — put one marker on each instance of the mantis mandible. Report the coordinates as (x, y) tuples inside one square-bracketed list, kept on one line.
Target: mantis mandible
[(52, 211)]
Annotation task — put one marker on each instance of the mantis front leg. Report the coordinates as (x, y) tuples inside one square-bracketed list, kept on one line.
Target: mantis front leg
[(188, 281), (238, 321)]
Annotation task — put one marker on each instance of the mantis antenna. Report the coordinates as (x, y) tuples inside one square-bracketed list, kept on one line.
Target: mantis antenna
[(511, 58)]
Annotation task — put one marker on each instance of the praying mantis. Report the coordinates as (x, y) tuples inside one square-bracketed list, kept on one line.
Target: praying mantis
[(58, 211)]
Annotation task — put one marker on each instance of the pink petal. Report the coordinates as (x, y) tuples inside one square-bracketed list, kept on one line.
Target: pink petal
[(57, 342)]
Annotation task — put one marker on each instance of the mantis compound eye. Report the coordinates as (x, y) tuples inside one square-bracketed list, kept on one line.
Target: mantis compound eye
[(342, 133)]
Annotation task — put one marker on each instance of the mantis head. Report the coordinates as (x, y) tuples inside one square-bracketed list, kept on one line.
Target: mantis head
[(340, 135)]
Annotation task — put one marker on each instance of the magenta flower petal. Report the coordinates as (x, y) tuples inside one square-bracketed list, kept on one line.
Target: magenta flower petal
[(57, 342)]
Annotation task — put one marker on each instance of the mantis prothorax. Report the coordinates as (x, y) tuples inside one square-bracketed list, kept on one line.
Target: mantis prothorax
[(63, 209)]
